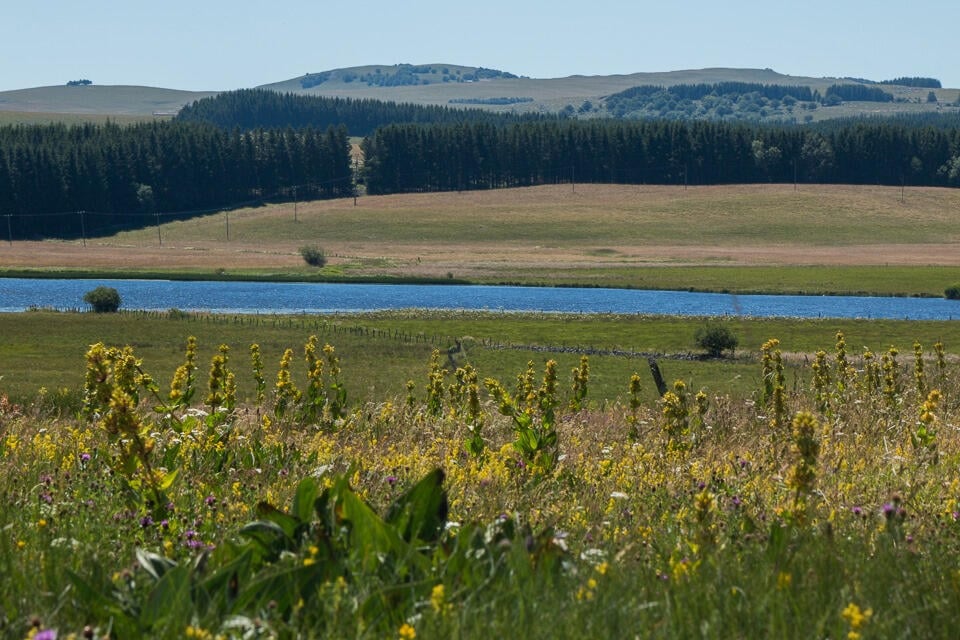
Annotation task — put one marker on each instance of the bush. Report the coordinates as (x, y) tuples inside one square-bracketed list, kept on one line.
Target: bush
[(103, 299), (715, 338), (313, 256), (952, 292)]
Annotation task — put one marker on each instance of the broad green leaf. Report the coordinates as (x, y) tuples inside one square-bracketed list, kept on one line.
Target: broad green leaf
[(155, 565), (169, 598), (421, 512), (304, 498)]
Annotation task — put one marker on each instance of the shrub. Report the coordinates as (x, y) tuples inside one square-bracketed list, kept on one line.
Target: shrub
[(715, 338), (952, 292), (313, 255), (103, 299)]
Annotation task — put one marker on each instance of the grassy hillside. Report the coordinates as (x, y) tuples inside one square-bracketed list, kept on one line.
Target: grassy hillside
[(745, 238), (96, 100), (539, 94)]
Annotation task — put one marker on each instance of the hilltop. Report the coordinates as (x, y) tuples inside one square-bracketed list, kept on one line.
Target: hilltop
[(464, 86)]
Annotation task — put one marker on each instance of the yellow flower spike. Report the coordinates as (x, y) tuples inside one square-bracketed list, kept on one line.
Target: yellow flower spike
[(407, 632), (784, 580)]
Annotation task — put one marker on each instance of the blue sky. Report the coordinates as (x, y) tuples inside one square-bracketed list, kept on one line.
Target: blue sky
[(218, 45)]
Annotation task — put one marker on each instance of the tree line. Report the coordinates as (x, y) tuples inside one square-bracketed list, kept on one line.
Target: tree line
[(126, 176), (401, 158), (261, 108)]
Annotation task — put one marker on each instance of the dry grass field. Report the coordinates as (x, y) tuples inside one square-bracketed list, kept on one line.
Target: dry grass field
[(590, 234)]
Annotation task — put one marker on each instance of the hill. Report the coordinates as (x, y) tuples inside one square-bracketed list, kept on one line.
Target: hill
[(96, 100), (446, 84)]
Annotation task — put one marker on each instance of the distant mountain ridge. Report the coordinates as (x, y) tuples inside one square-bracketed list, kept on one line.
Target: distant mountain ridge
[(496, 90)]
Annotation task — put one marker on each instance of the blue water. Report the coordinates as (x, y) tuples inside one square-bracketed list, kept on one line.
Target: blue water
[(18, 294)]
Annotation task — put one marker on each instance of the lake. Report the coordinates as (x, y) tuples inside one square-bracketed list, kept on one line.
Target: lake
[(19, 294)]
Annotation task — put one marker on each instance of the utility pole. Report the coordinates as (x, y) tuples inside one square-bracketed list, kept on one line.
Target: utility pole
[(83, 228), (294, 203), (227, 212), (9, 232), (159, 239)]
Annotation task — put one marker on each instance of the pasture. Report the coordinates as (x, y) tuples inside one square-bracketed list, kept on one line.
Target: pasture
[(758, 238)]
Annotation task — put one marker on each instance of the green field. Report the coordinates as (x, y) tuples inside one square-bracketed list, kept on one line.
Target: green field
[(380, 352)]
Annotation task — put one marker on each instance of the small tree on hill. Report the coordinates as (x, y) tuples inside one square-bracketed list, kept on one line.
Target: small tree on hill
[(103, 299), (715, 338)]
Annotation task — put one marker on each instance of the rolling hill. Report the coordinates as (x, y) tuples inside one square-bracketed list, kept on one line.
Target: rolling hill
[(445, 84)]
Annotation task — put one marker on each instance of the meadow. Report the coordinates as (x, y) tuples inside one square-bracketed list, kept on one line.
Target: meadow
[(817, 239), (186, 475), (823, 503)]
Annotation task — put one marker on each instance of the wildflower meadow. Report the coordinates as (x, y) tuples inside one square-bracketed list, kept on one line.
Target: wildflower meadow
[(822, 506)]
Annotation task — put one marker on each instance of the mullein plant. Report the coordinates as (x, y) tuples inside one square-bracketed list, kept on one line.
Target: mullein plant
[(256, 362), (221, 385), (676, 417), (803, 474), (632, 420), (534, 416), (821, 383), (919, 375), (286, 393), (435, 385), (891, 382), (581, 379), (114, 379)]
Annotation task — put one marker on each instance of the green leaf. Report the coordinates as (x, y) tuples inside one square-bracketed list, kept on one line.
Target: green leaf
[(421, 512), (168, 479), (371, 539), (285, 521), (154, 564), (269, 535), (303, 499), (169, 598)]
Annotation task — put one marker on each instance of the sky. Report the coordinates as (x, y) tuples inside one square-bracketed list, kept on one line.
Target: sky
[(218, 45)]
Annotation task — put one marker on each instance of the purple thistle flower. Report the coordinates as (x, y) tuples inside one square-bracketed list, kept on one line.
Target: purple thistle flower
[(84, 457), (857, 511), (46, 634)]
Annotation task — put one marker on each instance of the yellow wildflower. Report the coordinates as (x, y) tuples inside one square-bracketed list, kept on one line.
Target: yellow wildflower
[(407, 632)]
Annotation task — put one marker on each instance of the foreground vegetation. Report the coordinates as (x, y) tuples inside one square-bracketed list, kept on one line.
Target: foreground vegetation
[(473, 503)]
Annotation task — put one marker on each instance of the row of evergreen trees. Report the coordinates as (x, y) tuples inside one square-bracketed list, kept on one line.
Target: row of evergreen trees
[(125, 176), (470, 156), (261, 108)]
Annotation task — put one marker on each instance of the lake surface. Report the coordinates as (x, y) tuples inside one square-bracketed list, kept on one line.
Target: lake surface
[(18, 294)]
